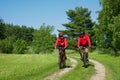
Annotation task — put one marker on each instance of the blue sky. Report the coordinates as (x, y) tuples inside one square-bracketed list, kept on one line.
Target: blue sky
[(33, 13)]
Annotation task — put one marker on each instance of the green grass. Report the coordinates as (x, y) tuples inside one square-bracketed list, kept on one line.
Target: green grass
[(111, 63), (27, 67), (37, 66)]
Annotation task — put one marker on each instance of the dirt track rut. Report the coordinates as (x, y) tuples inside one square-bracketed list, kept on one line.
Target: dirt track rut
[(100, 71)]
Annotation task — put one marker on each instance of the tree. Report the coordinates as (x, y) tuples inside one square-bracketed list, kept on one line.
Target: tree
[(26, 34), (20, 46), (2, 29), (43, 39), (19, 32), (79, 20), (6, 45), (106, 20), (115, 29)]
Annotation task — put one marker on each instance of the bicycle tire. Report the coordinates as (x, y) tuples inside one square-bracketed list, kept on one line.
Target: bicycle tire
[(85, 59), (60, 66)]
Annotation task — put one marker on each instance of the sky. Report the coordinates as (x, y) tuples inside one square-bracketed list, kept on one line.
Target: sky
[(33, 13)]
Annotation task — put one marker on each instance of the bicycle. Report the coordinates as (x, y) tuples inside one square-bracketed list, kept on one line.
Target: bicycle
[(84, 57), (62, 60)]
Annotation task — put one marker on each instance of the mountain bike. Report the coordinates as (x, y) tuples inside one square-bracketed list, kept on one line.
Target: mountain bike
[(84, 57), (62, 60)]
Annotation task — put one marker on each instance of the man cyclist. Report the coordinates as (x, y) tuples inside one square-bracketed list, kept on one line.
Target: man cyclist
[(83, 41), (61, 41)]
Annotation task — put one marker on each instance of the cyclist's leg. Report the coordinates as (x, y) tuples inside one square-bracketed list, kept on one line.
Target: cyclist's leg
[(86, 50), (80, 51), (65, 54), (59, 55)]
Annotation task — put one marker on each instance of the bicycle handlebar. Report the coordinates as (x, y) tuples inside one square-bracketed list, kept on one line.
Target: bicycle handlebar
[(63, 48), (83, 47)]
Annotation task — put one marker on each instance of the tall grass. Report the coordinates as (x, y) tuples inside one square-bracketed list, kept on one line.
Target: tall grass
[(27, 67), (111, 63)]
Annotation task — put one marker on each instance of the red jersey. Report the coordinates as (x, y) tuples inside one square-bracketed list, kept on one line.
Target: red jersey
[(61, 42), (84, 41)]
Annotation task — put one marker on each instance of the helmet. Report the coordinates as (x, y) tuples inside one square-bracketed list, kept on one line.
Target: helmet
[(82, 32), (60, 34)]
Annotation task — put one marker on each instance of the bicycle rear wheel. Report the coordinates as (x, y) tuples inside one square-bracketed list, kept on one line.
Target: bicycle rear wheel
[(62, 62), (84, 59)]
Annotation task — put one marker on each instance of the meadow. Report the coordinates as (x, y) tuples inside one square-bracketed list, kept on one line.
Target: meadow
[(27, 66), (38, 66)]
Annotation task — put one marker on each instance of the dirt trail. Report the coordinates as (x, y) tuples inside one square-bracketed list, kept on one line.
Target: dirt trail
[(100, 71), (62, 71), (99, 75)]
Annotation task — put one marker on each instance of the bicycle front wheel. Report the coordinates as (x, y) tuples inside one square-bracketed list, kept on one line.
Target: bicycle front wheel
[(85, 59)]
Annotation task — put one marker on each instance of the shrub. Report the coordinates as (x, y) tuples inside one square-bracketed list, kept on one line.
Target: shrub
[(20, 46)]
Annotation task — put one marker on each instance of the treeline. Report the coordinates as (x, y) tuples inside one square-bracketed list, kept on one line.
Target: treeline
[(22, 39)]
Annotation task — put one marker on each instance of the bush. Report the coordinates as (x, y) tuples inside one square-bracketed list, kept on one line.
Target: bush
[(72, 44), (6, 45), (20, 46)]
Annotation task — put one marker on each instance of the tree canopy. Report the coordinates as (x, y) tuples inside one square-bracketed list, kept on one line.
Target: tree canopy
[(43, 39), (79, 19), (108, 25)]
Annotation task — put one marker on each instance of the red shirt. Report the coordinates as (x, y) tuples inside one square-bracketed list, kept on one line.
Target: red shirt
[(84, 41), (61, 42)]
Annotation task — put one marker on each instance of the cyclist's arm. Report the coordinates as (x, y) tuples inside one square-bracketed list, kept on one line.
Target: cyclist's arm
[(56, 44), (89, 42), (78, 43), (66, 43)]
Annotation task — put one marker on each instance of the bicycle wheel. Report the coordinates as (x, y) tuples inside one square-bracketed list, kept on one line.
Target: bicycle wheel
[(85, 59), (60, 58), (59, 61), (64, 61)]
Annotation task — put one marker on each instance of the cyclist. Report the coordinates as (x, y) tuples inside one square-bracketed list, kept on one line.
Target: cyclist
[(83, 41), (61, 41)]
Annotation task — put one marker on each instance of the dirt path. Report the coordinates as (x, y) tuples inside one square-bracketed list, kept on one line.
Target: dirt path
[(62, 71), (100, 71)]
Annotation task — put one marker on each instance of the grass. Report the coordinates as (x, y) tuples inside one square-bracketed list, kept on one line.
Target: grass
[(27, 67), (37, 66), (111, 63)]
